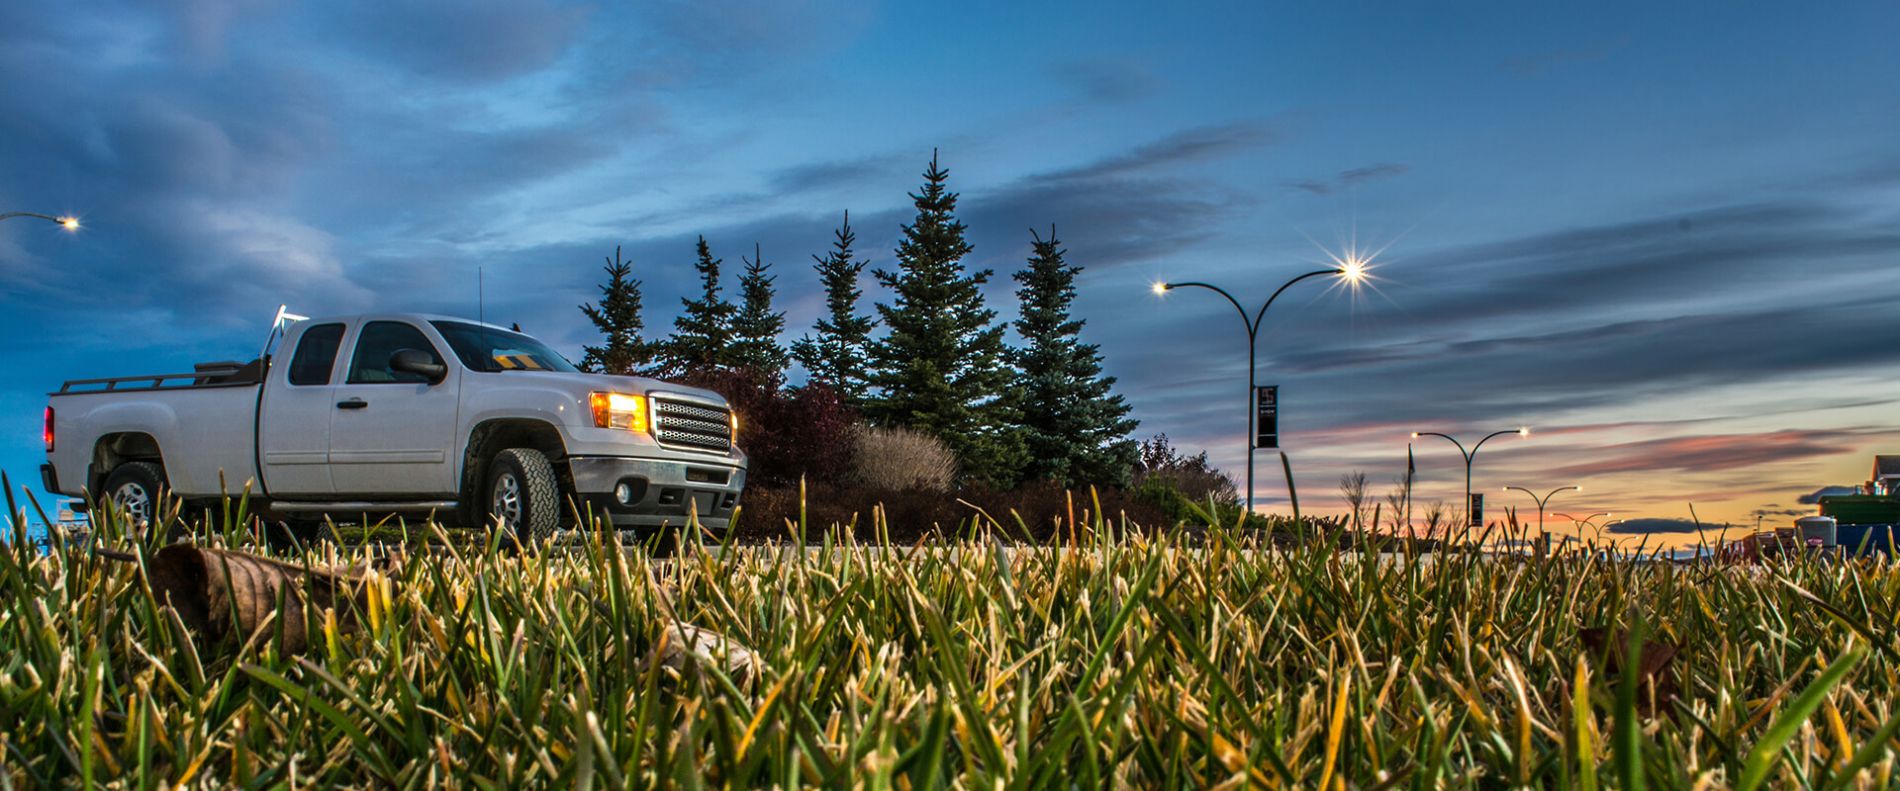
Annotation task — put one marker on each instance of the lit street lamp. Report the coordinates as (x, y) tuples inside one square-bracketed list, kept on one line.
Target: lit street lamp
[(1541, 501), (1471, 513), (68, 222), (1352, 269)]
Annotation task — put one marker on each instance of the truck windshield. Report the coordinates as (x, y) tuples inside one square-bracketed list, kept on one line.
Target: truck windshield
[(489, 349)]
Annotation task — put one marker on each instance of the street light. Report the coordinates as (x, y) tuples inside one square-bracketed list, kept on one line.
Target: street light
[(1351, 269), (67, 221), (1469, 455), (1588, 520), (1542, 500)]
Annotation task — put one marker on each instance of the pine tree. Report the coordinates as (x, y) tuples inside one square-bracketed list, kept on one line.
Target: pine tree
[(835, 355), (617, 316), (704, 327), (942, 367), (1074, 428), (755, 328)]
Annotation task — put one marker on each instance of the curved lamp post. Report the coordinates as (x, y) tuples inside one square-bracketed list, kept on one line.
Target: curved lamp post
[(1352, 270), (1470, 455), (68, 222), (1541, 501), (1588, 520)]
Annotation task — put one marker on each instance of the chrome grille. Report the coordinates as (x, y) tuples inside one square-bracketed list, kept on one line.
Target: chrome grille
[(683, 425)]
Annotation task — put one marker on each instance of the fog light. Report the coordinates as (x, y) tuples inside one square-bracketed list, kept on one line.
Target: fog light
[(623, 493)]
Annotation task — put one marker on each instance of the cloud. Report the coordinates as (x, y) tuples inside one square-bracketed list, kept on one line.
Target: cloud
[(1197, 144), (1658, 526), (1349, 178), (474, 40), (1814, 497), (1709, 452), (199, 28), (1106, 80), (1536, 63), (836, 174)]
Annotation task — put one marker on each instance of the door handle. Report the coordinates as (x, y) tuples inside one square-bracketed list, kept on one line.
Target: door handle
[(354, 403)]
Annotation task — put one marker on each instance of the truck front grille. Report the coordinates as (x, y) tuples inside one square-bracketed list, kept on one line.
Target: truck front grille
[(692, 426)]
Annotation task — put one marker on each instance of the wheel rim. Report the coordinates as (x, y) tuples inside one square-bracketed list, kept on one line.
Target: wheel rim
[(134, 502), (505, 502)]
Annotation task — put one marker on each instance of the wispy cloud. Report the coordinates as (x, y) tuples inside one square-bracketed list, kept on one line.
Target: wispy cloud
[(1197, 144), (1106, 80), (1709, 452), (1532, 64), (1347, 179)]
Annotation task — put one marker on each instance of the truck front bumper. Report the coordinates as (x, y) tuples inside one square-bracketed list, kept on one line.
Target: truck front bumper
[(648, 493)]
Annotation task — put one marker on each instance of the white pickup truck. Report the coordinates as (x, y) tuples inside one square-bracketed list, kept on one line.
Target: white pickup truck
[(379, 414)]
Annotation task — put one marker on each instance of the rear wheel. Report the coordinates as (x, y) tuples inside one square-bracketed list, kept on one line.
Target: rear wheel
[(524, 498), (132, 488)]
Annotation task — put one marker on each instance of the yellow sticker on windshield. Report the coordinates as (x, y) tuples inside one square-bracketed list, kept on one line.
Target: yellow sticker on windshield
[(519, 362)]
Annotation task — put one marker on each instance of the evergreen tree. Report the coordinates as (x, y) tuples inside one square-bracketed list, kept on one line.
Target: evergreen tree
[(704, 327), (942, 366), (835, 355), (1074, 429), (617, 316), (755, 328)]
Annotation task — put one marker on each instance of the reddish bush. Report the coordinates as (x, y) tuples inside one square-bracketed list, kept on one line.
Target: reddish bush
[(788, 434), (1044, 509)]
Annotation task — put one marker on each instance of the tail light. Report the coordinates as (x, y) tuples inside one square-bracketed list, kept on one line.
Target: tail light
[(47, 432)]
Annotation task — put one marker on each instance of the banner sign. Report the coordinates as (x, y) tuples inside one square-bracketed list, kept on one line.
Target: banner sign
[(1266, 416), (1477, 509)]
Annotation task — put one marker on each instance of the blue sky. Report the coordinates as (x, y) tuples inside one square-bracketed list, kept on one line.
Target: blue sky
[(1663, 235)]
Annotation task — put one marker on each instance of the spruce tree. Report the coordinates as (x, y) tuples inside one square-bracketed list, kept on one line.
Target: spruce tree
[(835, 354), (1074, 428), (755, 328), (942, 366), (617, 316), (704, 327)]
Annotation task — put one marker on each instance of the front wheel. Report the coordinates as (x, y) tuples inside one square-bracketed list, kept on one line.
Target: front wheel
[(524, 497)]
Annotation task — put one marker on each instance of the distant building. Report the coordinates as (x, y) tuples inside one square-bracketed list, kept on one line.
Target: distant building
[(1886, 478)]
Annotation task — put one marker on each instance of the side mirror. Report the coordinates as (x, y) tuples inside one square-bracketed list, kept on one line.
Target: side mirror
[(418, 362)]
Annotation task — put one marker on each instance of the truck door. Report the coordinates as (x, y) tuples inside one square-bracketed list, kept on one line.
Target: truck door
[(295, 424), (391, 431)]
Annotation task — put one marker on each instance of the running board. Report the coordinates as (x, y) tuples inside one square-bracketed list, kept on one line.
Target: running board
[(402, 505)]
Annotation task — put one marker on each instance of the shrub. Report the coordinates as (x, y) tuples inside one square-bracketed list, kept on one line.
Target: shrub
[(802, 432), (896, 459), (1160, 465), (914, 514)]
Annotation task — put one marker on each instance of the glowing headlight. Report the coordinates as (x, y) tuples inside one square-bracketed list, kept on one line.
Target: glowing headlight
[(619, 410), (735, 423)]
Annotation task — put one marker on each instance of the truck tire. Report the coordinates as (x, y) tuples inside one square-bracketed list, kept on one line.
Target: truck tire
[(132, 488), (523, 495)]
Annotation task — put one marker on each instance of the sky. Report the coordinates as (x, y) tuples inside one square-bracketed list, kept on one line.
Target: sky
[(1663, 236)]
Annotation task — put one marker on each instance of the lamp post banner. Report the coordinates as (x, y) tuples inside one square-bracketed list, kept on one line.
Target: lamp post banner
[(1267, 417), (1477, 509)]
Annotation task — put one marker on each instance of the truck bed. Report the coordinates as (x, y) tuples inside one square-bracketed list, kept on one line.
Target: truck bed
[(205, 421)]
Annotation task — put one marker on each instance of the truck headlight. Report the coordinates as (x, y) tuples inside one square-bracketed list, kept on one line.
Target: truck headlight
[(619, 410)]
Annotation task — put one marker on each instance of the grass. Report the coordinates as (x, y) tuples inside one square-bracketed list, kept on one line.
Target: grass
[(1132, 659)]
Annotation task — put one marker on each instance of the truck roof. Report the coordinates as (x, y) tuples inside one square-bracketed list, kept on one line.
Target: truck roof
[(421, 317)]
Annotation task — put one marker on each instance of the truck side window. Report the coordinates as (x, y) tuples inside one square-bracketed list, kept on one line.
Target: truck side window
[(379, 340), (316, 355)]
